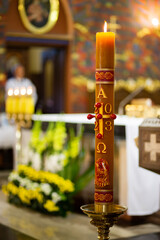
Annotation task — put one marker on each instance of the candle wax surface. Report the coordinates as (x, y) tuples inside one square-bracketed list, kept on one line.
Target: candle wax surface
[(105, 47)]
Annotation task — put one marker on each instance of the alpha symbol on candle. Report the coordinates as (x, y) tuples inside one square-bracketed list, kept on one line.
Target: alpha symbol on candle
[(101, 94)]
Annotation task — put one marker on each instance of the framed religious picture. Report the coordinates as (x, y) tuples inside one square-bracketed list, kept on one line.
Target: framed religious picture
[(39, 16)]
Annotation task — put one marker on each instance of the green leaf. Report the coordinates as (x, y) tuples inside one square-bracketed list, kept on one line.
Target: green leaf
[(84, 179)]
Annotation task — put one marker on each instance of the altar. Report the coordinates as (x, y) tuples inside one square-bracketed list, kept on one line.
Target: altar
[(134, 184)]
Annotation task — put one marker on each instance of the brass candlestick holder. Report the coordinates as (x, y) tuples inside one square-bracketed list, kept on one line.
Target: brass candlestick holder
[(19, 120), (103, 220)]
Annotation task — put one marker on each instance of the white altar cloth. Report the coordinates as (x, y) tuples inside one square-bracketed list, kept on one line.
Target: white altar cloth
[(7, 133), (143, 185)]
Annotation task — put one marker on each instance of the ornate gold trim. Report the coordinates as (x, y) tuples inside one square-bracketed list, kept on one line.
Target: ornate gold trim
[(103, 190), (99, 82), (104, 75), (104, 69), (68, 37), (52, 18)]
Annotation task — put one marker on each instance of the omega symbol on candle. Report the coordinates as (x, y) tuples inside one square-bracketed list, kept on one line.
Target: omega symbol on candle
[(102, 172), (101, 149)]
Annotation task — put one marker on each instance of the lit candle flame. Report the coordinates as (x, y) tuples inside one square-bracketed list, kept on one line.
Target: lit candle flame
[(23, 91), (16, 92), (155, 22), (105, 26), (29, 91), (10, 92)]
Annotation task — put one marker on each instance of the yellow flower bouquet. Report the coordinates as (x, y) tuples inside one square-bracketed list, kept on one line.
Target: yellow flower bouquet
[(49, 182), (40, 190)]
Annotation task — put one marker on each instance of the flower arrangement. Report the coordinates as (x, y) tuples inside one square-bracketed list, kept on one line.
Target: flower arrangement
[(47, 151), (40, 190), (51, 175)]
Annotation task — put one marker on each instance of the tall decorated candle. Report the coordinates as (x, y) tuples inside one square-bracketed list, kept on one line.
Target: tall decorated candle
[(15, 100), (9, 102), (22, 100), (29, 107), (104, 124)]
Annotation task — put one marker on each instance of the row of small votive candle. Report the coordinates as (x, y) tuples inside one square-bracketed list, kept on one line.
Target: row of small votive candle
[(20, 101)]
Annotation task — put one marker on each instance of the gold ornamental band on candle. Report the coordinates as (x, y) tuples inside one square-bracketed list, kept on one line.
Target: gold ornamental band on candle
[(104, 139)]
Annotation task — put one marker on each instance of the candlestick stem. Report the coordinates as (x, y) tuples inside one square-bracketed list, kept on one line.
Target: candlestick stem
[(103, 233), (18, 146)]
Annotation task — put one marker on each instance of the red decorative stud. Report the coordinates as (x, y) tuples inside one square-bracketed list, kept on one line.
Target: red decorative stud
[(99, 135), (90, 116), (99, 116), (98, 105), (113, 116)]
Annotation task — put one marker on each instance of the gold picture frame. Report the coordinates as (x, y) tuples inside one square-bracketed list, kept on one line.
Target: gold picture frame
[(39, 16)]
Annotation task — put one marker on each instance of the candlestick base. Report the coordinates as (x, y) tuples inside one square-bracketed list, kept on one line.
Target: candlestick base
[(103, 220)]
